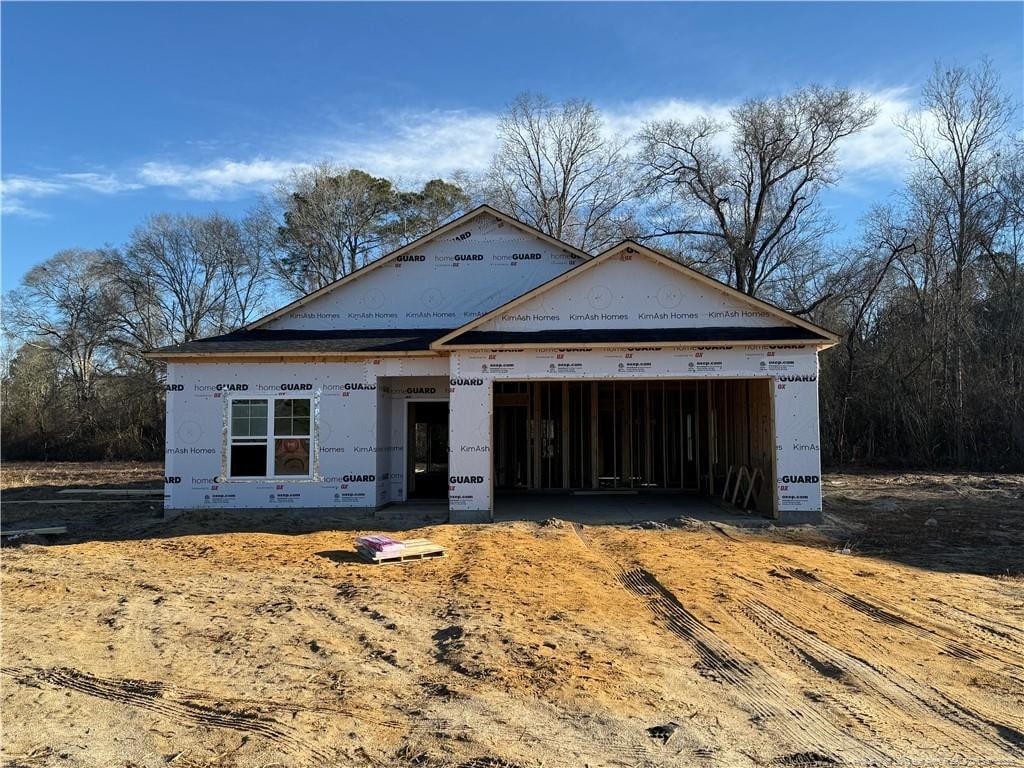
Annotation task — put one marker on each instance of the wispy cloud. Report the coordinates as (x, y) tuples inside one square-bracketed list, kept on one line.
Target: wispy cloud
[(19, 194), (882, 150), (104, 183), (415, 146), (17, 191), (220, 180), (627, 119)]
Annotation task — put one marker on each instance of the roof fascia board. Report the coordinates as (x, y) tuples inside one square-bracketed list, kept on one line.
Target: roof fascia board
[(821, 344), (418, 243), (179, 356), (327, 357)]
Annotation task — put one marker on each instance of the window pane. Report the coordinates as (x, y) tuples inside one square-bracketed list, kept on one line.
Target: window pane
[(249, 460), (291, 417), (291, 457), (248, 418)]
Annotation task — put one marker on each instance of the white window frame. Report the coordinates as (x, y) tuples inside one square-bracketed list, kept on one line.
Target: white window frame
[(270, 437)]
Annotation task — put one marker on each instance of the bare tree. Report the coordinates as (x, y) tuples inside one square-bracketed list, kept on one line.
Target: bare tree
[(248, 264), (858, 303), (557, 171), (746, 194), (67, 305), (184, 277), (958, 137)]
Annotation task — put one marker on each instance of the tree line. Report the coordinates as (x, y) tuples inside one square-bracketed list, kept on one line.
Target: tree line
[(927, 297)]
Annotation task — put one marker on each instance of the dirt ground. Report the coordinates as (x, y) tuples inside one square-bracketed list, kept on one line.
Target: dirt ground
[(219, 639)]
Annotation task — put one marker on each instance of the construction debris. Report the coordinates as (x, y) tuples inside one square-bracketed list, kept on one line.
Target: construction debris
[(381, 550), (375, 545)]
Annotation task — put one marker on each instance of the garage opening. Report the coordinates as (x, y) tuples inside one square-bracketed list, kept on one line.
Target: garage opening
[(686, 436)]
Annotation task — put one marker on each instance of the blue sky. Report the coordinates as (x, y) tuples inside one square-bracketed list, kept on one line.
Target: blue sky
[(115, 111)]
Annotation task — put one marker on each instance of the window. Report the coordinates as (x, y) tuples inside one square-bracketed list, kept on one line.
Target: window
[(270, 437)]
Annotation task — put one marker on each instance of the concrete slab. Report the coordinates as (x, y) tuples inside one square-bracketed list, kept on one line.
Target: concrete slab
[(619, 509)]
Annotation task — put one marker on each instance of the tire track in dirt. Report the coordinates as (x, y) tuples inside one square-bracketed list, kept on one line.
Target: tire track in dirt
[(1007, 733), (150, 696), (931, 701), (887, 615), (897, 694), (768, 701), (1006, 636)]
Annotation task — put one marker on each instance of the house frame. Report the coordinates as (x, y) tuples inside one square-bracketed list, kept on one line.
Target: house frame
[(563, 373)]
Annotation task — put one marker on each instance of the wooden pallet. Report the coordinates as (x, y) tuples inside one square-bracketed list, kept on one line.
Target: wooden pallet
[(415, 549)]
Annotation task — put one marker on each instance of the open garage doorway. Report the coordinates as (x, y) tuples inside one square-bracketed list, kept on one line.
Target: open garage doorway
[(614, 436)]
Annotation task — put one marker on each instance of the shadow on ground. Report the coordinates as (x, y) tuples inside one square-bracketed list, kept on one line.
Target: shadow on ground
[(948, 523)]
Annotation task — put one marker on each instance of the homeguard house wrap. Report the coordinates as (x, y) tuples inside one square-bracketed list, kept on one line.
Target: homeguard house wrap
[(489, 358)]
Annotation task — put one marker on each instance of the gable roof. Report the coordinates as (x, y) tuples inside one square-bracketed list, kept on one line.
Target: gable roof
[(418, 243), (630, 246)]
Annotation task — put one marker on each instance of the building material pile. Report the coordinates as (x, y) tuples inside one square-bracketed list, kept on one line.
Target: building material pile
[(377, 546), (379, 549)]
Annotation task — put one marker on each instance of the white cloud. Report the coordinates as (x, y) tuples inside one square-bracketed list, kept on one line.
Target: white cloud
[(420, 146), (17, 191), (12, 206), (26, 186), (104, 183), (414, 146), (882, 149), (627, 119), (218, 180)]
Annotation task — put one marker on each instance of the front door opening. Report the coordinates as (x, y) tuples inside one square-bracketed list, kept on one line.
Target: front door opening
[(427, 440)]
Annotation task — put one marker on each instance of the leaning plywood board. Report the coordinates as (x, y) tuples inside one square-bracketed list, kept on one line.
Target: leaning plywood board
[(415, 549), (116, 491), (50, 531), (75, 501)]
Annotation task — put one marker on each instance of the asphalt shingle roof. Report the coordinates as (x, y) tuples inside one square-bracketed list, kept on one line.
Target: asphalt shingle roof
[(419, 339), (313, 342)]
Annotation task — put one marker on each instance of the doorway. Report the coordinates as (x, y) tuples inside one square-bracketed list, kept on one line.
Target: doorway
[(427, 455)]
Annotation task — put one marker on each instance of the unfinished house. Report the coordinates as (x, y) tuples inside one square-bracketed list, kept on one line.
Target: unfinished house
[(488, 359)]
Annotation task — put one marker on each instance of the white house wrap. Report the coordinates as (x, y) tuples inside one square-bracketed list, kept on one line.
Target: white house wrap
[(485, 358)]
